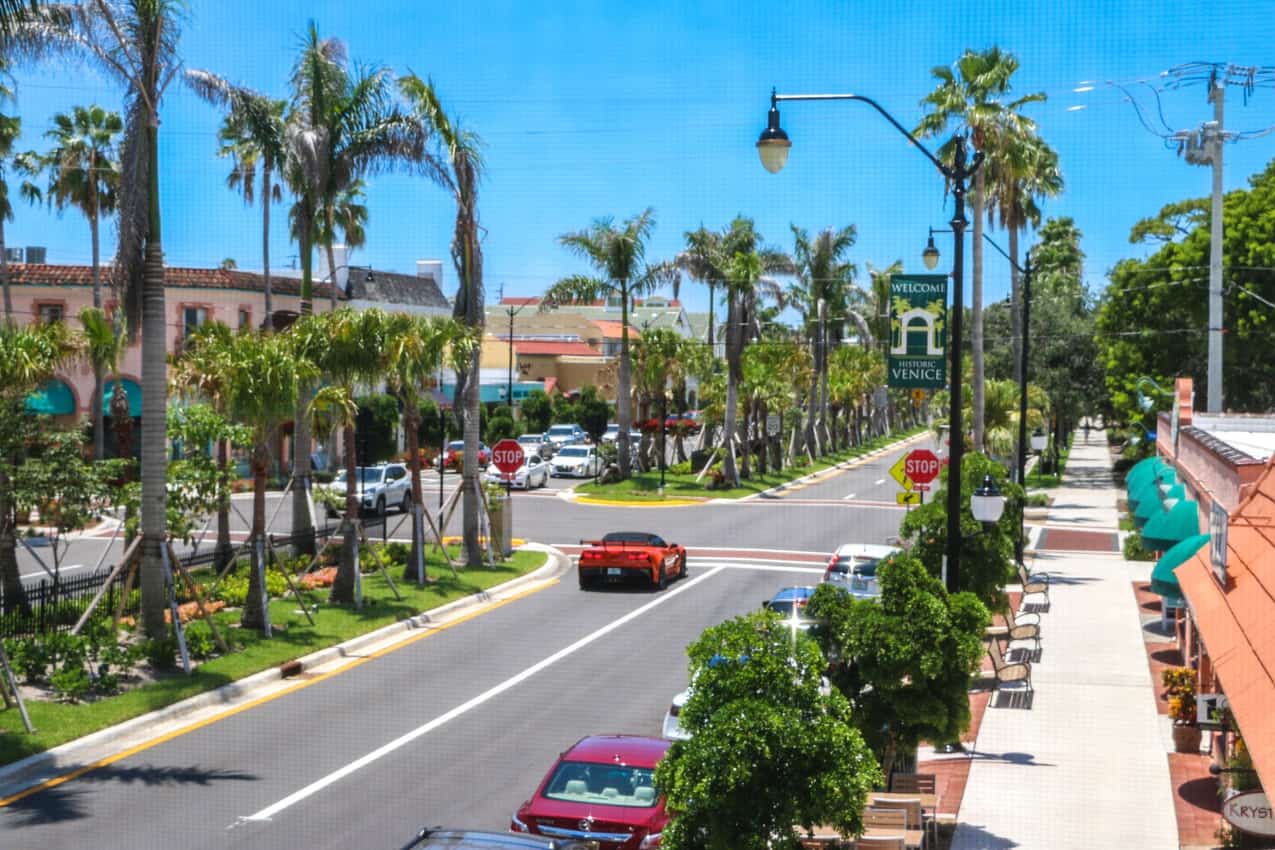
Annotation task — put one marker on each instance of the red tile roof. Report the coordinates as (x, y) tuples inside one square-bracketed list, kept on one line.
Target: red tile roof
[(573, 349), (611, 329), (1237, 623), (514, 302), (42, 274)]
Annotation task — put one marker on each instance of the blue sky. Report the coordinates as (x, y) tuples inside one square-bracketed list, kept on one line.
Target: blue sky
[(603, 109)]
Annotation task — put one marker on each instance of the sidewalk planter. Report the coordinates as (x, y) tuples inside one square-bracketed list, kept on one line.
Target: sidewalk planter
[(1186, 739)]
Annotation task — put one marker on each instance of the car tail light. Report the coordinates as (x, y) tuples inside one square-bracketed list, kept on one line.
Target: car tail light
[(591, 556), (635, 556)]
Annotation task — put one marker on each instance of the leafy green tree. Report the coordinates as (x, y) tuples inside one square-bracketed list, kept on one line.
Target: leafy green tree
[(618, 254), (986, 554), (594, 412), (537, 412), (206, 488), (771, 752), (903, 660), (28, 356), (378, 415), (969, 94)]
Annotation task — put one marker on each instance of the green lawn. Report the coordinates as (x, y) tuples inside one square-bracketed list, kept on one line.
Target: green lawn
[(57, 723), (644, 486)]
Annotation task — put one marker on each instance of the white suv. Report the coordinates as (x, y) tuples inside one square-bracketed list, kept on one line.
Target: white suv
[(576, 461), (381, 487), (565, 435)]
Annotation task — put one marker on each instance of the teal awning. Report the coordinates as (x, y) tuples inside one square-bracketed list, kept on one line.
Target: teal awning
[(53, 398), (1173, 491), (1168, 474), (1142, 472), (131, 391), (1169, 528), (1147, 494), (1163, 581), (1147, 508)]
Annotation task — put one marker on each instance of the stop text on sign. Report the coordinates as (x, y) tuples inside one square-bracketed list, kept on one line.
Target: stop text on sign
[(922, 466), (507, 455)]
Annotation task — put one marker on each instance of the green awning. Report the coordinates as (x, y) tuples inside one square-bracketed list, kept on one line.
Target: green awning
[(1168, 474), (53, 398), (1148, 493), (1163, 581), (1169, 528), (1147, 508), (1142, 472), (131, 391), (1173, 491)]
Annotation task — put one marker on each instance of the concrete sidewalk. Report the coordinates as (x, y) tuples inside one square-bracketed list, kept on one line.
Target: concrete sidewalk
[(1082, 764)]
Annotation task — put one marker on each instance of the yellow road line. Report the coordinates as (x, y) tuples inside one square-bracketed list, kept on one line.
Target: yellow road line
[(208, 721)]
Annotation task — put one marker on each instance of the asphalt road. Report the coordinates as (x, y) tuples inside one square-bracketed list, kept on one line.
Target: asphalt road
[(458, 727)]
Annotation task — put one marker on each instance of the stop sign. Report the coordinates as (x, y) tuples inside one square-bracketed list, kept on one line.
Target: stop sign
[(921, 466), (507, 455)]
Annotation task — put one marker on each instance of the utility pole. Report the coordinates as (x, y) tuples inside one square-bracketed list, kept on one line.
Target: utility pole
[(1217, 94), (509, 380)]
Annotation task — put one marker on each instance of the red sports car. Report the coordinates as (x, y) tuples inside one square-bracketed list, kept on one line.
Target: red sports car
[(628, 555), (601, 791)]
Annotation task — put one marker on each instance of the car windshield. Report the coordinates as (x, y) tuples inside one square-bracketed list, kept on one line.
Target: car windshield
[(456, 446), (574, 451), (866, 567), (603, 784), (529, 439), (366, 475), (633, 537), (613, 429), (561, 430), (788, 607)]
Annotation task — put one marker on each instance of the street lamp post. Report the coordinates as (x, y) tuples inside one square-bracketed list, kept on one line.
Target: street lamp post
[(330, 277), (773, 147), (509, 392), (931, 257)]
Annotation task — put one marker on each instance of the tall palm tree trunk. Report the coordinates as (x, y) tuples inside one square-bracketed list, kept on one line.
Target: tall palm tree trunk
[(99, 418), (154, 402), (415, 570), (303, 542), (4, 276), (223, 550), (254, 614), (343, 587), (470, 467), (623, 402), (265, 243), (978, 202), (15, 596), (734, 371)]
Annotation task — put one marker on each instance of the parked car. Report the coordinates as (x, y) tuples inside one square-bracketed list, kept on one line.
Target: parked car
[(631, 555), (854, 567), (577, 461), (437, 838), (534, 472), (536, 444), (613, 433), (673, 729), (456, 448), (790, 603), (565, 435), (601, 790), (382, 486)]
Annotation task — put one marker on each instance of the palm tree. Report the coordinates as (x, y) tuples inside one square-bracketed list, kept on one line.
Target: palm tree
[(824, 277), (12, 12), (255, 377), (618, 254), (457, 166), (349, 348), (10, 129), (252, 135), (135, 43), (105, 343), (416, 346), (969, 97), (28, 356), (82, 169), (1021, 167), (340, 128)]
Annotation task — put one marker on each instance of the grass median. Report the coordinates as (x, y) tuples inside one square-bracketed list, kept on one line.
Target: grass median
[(644, 487), (59, 722)]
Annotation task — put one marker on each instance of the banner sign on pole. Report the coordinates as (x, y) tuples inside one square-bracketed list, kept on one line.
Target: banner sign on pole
[(918, 331)]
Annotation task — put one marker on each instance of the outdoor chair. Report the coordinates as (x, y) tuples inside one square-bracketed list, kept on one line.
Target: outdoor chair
[(918, 783), (1018, 627), (876, 817), (879, 842), (1034, 583), (1009, 672), (910, 806)]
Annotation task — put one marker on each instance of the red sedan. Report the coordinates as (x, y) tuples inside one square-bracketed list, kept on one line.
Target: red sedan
[(601, 791), (628, 555)]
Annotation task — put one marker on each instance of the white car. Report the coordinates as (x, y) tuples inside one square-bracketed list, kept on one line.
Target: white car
[(534, 472), (673, 729), (854, 567), (576, 462), (565, 435), (381, 487), (536, 444)]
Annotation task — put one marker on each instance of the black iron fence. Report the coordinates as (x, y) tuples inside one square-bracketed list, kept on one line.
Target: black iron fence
[(55, 606)]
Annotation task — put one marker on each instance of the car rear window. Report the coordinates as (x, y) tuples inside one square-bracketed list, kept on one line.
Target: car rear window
[(866, 567), (633, 537), (603, 784)]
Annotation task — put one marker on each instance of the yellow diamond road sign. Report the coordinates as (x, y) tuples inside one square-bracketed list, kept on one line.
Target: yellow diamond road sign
[(898, 473), (908, 498)]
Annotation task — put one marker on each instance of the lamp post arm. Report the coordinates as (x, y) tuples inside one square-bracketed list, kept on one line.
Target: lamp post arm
[(945, 170)]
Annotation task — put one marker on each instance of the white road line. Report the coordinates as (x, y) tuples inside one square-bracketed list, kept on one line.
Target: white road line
[(726, 559), (851, 496), (879, 482), (730, 565), (314, 787)]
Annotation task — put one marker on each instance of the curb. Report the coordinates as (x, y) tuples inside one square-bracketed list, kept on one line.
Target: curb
[(836, 467), (42, 767)]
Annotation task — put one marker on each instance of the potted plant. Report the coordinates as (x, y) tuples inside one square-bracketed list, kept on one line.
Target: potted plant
[(1179, 685)]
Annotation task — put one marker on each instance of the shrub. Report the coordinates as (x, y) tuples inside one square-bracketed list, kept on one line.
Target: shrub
[(161, 653), (199, 641), (683, 468), (71, 682), (233, 589), (1134, 551)]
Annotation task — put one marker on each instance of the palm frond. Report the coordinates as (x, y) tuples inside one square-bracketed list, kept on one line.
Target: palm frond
[(575, 289)]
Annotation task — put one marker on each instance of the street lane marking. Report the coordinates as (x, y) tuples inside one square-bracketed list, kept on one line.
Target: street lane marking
[(730, 565), (879, 482), (318, 785), (353, 661), (848, 498)]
